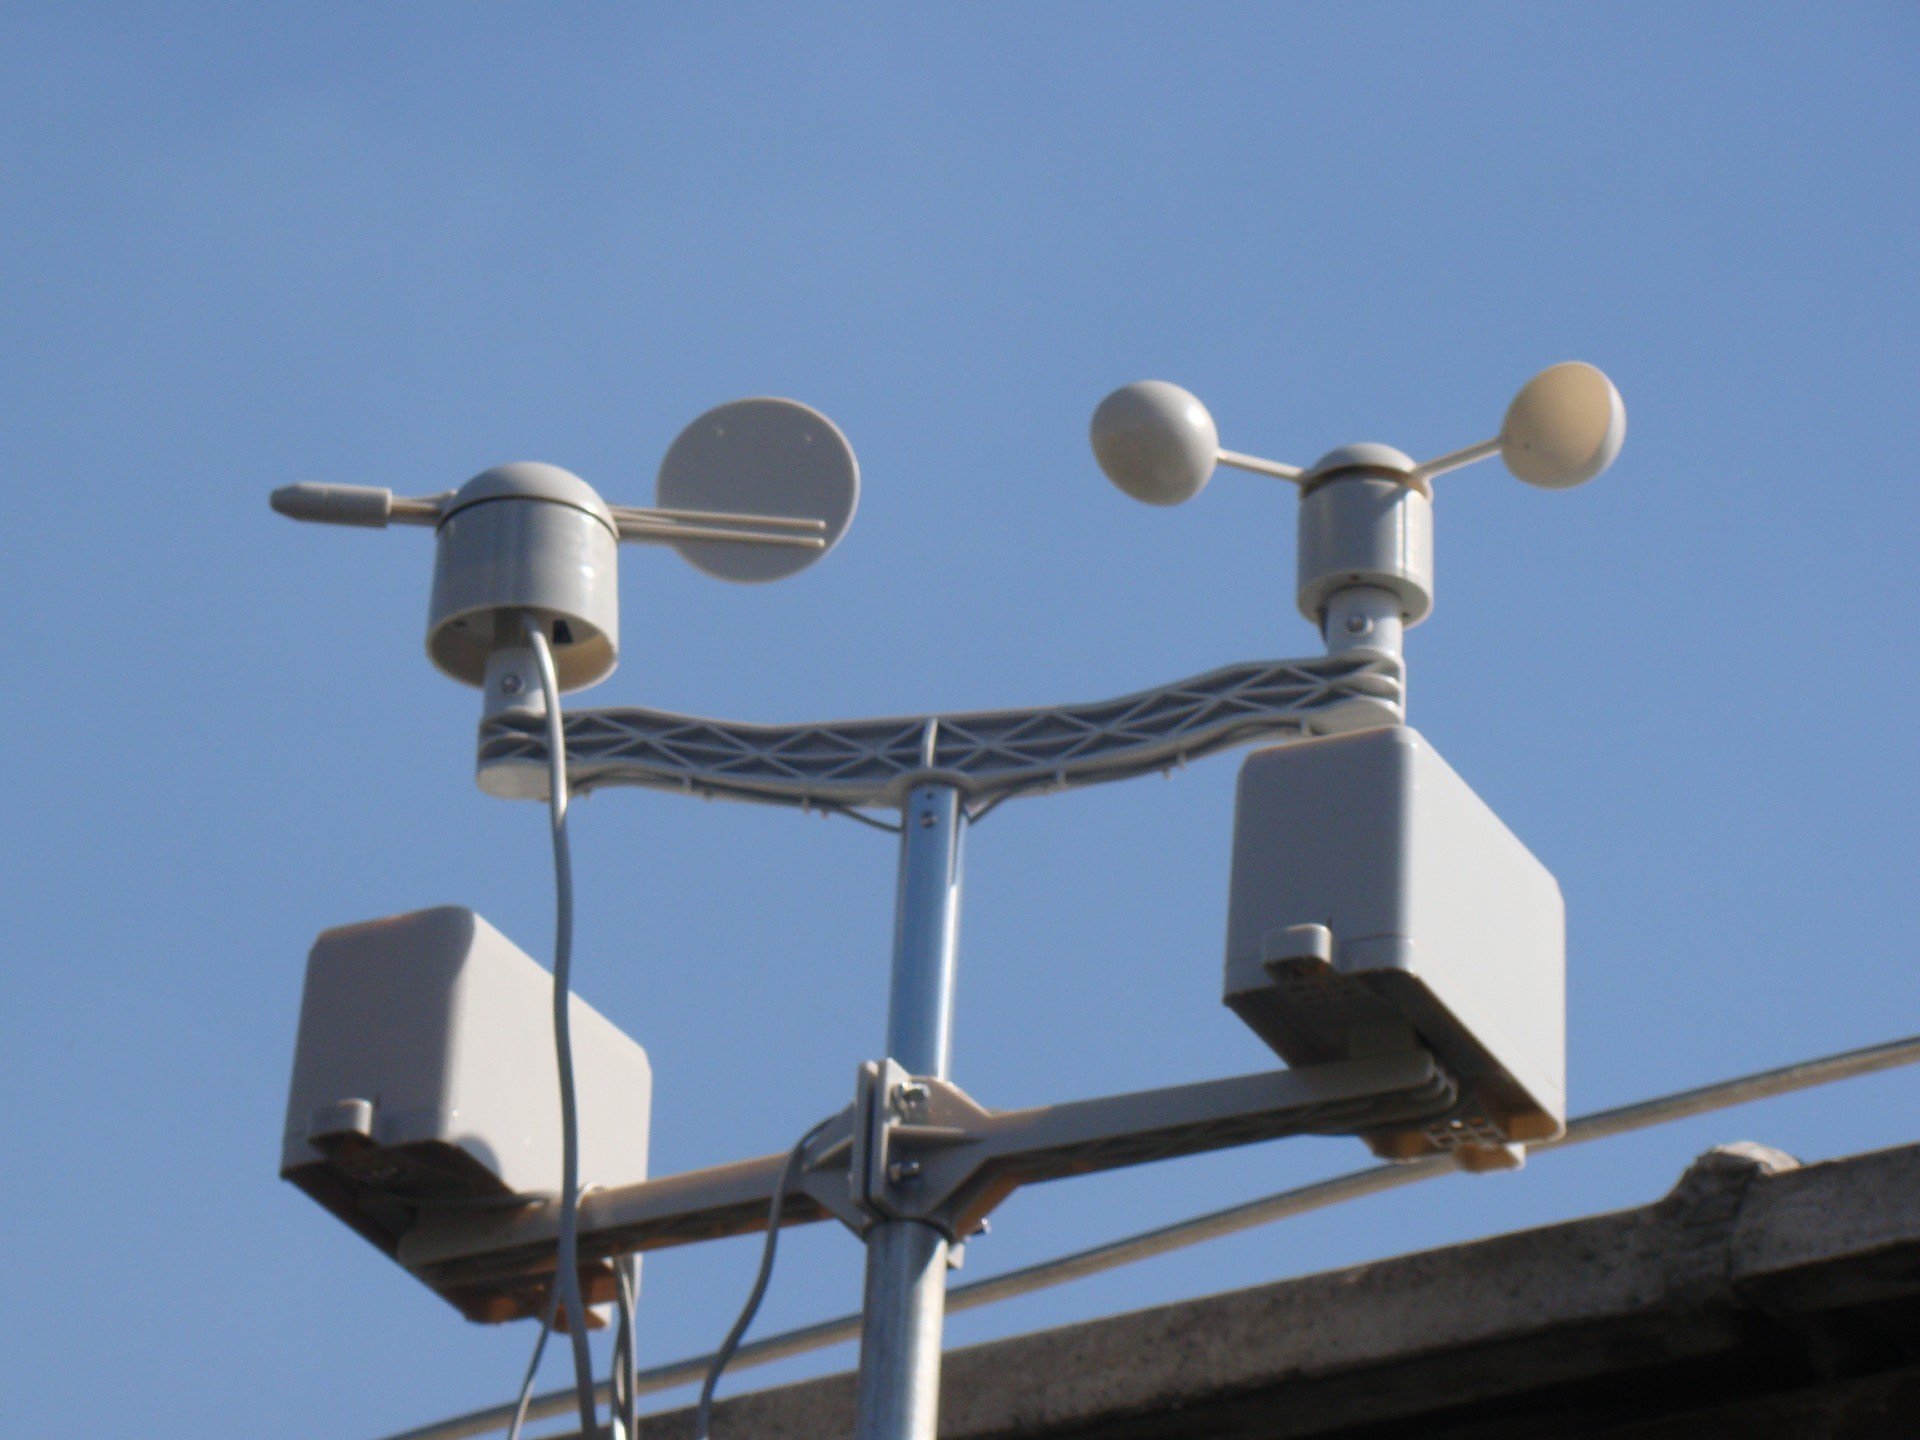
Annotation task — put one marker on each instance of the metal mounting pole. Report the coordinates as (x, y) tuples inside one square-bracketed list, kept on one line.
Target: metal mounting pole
[(906, 1285)]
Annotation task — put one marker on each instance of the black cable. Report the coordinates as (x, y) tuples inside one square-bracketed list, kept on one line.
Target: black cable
[(567, 1272), (703, 1413)]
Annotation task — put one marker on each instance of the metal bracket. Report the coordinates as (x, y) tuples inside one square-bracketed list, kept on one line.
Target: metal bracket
[(987, 755), (916, 1148), (902, 1125)]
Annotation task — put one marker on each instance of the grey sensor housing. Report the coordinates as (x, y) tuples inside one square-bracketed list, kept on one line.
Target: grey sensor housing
[(1364, 522), (526, 538), (1377, 906), (424, 1079)]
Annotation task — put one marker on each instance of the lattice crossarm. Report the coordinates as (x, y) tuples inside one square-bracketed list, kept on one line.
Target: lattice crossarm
[(988, 755)]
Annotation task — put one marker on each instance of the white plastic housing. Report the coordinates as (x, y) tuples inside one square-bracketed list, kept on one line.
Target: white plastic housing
[(519, 538), (1361, 527), (424, 1074), (1378, 904)]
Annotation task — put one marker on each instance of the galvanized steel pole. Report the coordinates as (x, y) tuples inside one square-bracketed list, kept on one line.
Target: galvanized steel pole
[(906, 1284)]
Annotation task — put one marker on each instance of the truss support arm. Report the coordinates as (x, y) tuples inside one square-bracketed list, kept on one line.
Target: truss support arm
[(986, 756)]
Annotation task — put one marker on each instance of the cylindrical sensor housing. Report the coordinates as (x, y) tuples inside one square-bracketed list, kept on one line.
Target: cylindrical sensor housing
[(521, 538), (1364, 522)]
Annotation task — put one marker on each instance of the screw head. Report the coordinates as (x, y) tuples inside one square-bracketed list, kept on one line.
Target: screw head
[(511, 684)]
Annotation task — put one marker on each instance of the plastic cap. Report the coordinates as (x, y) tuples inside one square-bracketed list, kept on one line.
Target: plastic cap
[(335, 504), (531, 480), (1367, 455)]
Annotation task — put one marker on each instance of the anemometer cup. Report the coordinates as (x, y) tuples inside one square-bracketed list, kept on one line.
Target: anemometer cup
[(1155, 441), (1565, 426), (526, 539)]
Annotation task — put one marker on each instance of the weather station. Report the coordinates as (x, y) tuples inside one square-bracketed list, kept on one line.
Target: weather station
[(1386, 935)]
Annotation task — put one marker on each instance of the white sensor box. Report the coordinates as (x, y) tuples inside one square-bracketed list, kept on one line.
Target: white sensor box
[(425, 1075), (1378, 904)]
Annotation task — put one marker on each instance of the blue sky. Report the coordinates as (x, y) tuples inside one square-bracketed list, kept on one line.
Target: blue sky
[(393, 245)]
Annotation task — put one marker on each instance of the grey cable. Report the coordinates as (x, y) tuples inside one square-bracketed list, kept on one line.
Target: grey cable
[(533, 1367), (617, 1363), (567, 1271), (851, 813), (624, 1396), (703, 1413)]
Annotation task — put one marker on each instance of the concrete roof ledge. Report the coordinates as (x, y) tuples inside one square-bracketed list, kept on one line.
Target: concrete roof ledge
[(1728, 1274)]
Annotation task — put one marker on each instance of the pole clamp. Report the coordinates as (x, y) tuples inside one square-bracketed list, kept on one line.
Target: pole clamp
[(908, 1159)]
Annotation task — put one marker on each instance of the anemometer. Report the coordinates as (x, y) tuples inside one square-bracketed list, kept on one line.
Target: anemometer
[(1387, 935)]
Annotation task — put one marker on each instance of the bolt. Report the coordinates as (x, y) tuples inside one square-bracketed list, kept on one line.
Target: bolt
[(510, 684), (910, 1096), (901, 1171), (1358, 624), (927, 821)]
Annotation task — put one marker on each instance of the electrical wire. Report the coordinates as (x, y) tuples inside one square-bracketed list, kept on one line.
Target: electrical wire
[(624, 1394), (850, 813), (567, 1272), (619, 1366), (703, 1413), (533, 1367), (979, 813)]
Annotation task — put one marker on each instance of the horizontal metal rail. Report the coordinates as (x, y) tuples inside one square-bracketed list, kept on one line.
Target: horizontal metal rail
[(1602, 1125), (964, 1159)]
